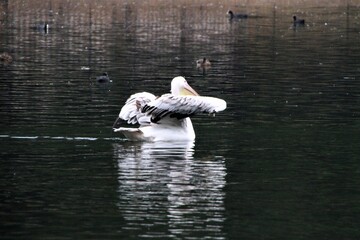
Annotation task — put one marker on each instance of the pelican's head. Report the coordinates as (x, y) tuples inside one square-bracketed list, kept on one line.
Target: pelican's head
[(179, 86)]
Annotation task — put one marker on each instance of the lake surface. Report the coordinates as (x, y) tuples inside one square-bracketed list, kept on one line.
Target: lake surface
[(281, 162)]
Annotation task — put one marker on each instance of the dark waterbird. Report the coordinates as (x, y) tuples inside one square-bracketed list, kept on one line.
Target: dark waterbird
[(42, 27), (104, 78), (204, 62), (236, 16), (5, 58), (298, 21)]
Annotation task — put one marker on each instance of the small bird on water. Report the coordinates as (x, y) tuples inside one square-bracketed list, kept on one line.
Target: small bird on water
[(42, 27), (236, 16), (5, 58), (298, 21), (104, 78), (204, 62)]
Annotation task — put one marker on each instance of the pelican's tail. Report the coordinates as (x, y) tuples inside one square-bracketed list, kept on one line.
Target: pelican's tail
[(133, 134)]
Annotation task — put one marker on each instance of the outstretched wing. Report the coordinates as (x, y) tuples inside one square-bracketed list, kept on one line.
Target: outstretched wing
[(131, 111), (181, 106)]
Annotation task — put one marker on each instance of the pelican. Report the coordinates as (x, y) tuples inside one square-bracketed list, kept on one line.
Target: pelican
[(166, 118)]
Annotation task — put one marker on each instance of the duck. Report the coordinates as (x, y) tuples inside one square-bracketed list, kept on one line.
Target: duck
[(104, 78), (236, 16), (204, 62), (298, 21), (42, 27), (165, 118), (6, 58)]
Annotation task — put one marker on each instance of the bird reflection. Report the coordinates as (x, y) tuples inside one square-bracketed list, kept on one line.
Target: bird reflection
[(164, 182)]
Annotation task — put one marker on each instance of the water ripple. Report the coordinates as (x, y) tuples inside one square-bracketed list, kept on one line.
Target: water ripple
[(161, 183), (62, 138)]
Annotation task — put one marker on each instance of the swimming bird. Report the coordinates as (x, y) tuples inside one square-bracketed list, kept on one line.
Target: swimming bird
[(298, 21), (204, 62), (166, 118), (6, 58), (42, 27), (236, 16), (104, 78)]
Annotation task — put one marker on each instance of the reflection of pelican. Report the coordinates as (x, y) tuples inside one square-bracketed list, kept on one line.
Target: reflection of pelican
[(162, 183), (151, 150), (166, 118)]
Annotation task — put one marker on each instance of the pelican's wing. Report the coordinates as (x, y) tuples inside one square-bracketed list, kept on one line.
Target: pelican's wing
[(131, 111), (182, 106)]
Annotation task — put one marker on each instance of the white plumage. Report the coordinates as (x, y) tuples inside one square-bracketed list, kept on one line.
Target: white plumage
[(166, 118)]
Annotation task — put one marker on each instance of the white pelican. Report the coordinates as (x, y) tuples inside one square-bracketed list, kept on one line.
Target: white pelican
[(166, 118)]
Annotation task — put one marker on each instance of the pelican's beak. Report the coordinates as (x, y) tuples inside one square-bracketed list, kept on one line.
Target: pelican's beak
[(188, 90)]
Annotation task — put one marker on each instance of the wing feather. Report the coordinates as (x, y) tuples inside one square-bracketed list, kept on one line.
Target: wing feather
[(131, 111), (182, 106)]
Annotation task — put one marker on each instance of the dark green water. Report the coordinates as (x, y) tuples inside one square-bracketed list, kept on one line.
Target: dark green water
[(282, 162)]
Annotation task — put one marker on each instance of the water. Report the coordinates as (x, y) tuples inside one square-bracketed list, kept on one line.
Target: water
[(280, 163)]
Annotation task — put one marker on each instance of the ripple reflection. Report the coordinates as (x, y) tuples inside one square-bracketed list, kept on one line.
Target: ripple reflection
[(165, 191)]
